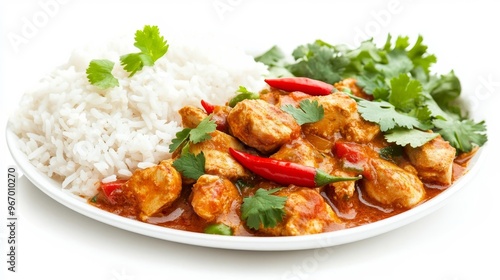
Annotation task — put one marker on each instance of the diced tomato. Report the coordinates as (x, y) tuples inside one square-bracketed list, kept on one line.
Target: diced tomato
[(112, 189), (348, 152)]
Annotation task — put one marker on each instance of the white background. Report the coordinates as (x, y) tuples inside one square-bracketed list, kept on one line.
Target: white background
[(460, 241)]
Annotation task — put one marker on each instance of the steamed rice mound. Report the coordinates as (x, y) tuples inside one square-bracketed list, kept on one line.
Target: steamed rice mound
[(81, 135)]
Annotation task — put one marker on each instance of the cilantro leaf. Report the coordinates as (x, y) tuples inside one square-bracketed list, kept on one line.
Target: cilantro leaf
[(275, 60), (195, 135), (307, 112), (203, 130), (462, 134), (134, 62), (99, 73), (405, 92), (190, 165), (318, 61), (180, 138), (151, 43), (412, 137), (386, 115), (406, 95), (244, 93), (263, 208), (152, 46)]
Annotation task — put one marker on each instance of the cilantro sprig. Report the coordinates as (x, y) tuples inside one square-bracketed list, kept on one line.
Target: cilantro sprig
[(242, 94), (188, 164), (152, 46), (99, 73), (411, 104), (307, 112), (263, 208)]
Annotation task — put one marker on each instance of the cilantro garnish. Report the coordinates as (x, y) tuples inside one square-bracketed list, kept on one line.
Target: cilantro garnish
[(307, 112), (152, 46), (195, 135), (190, 165), (462, 134), (263, 208), (412, 137), (243, 93), (408, 99), (99, 73)]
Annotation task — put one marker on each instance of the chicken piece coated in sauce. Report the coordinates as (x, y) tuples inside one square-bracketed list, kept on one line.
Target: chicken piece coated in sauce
[(261, 125), (433, 161), (384, 181), (306, 212), (217, 200), (154, 188), (303, 152), (191, 116), (389, 184), (341, 116), (218, 161)]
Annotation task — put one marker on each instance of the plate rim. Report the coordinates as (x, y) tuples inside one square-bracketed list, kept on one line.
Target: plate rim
[(53, 189)]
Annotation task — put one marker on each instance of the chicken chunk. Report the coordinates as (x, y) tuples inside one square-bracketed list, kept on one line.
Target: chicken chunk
[(306, 212), (191, 116), (339, 109), (154, 188), (217, 200), (359, 130), (433, 161), (391, 185), (218, 161), (261, 125), (341, 116), (383, 180)]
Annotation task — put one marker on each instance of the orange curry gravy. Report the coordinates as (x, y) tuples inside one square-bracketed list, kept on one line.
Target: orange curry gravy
[(355, 211)]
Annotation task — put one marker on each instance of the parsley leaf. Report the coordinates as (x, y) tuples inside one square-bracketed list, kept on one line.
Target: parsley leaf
[(190, 165), (99, 73), (263, 208), (307, 112), (152, 46)]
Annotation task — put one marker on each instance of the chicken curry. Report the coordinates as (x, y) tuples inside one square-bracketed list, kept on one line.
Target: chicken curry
[(270, 167)]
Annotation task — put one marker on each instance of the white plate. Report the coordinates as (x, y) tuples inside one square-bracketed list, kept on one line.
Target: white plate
[(53, 189)]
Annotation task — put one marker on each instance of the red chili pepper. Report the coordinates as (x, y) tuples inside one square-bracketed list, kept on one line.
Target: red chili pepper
[(209, 108), (286, 173), (112, 189), (303, 84)]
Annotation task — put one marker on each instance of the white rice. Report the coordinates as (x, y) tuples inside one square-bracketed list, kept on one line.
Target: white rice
[(81, 135)]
